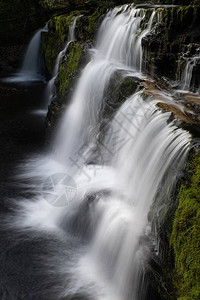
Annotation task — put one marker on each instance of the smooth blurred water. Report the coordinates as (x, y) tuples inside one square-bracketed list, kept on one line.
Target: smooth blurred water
[(188, 72), (31, 69), (100, 202)]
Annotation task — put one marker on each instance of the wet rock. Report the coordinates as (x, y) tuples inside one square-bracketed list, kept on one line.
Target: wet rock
[(68, 72), (55, 39), (74, 58), (185, 241), (175, 31)]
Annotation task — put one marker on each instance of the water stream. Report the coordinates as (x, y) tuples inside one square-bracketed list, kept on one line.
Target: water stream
[(32, 67), (95, 192), (188, 72)]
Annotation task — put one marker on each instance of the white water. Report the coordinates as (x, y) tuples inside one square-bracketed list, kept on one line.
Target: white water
[(148, 148), (118, 48), (188, 71), (51, 89), (143, 149), (108, 214), (31, 66)]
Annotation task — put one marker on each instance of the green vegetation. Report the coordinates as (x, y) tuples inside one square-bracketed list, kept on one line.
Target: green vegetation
[(69, 67), (180, 2), (185, 239), (118, 90), (51, 48), (68, 71), (53, 41), (62, 24), (48, 3), (176, 28), (86, 26)]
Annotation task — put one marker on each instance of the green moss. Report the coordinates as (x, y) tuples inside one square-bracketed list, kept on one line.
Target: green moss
[(118, 90), (178, 2), (185, 239), (51, 48), (62, 24), (53, 41), (86, 26), (93, 21), (68, 71), (175, 28), (69, 67), (47, 3)]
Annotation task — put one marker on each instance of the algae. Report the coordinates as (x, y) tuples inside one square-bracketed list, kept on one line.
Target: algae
[(54, 40), (69, 67), (185, 238), (86, 26)]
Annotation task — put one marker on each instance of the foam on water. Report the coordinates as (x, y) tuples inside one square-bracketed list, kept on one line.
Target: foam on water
[(104, 206)]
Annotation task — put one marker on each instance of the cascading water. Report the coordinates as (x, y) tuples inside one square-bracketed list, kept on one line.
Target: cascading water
[(143, 147), (188, 72), (139, 173), (118, 48), (31, 69), (51, 89), (108, 214)]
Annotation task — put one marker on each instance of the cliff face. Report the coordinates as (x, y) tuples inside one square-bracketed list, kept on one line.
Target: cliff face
[(185, 238), (54, 41), (172, 51), (174, 41)]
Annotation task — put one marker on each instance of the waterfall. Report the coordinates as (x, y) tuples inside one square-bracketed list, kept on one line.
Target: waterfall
[(118, 48), (188, 72), (143, 150), (50, 91), (31, 69), (102, 205)]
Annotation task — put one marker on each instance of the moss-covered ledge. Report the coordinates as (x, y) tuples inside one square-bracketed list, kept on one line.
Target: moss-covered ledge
[(67, 75), (55, 38), (73, 59), (69, 67), (185, 238), (174, 28), (87, 26)]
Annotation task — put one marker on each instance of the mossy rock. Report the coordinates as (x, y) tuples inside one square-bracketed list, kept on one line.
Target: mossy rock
[(185, 238), (68, 73), (69, 67), (51, 48), (179, 2), (118, 90), (55, 39), (86, 26), (174, 29), (53, 43), (50, 3)]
